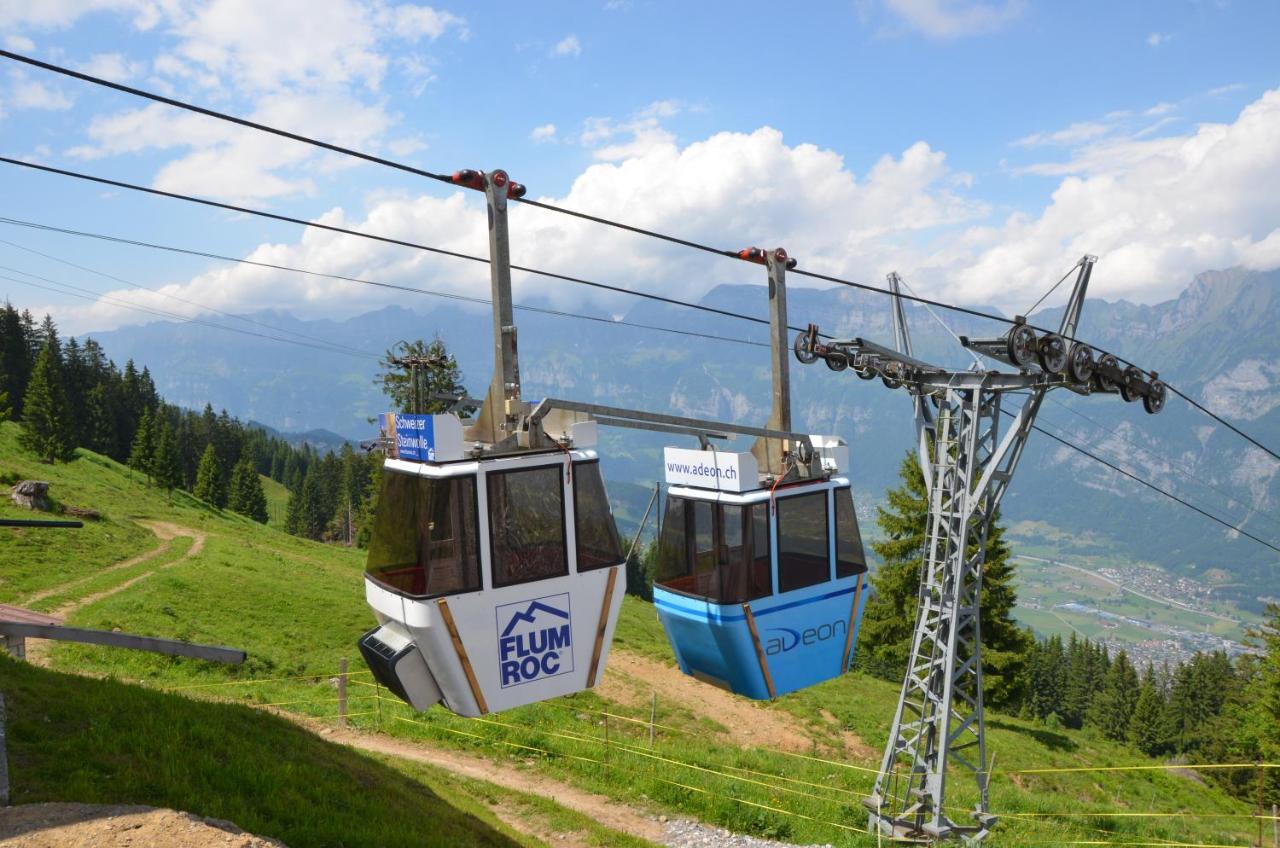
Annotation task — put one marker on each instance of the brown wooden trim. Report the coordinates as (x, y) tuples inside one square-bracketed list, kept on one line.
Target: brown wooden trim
[(602, 626), (755, 640), (461, 651), (853, 619)]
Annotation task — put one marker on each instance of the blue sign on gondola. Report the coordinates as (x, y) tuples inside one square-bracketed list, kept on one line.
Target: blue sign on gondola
[(415, 437)]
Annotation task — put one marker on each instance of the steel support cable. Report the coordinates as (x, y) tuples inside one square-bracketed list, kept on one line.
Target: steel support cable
[(1184, 470), (18, 222), (421, 172), (221, 116), (374, 237), (174, 297), (96, 297), (646, 295), (1150, 485), (811, 274)]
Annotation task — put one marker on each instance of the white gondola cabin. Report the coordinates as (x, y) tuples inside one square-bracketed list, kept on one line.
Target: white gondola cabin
[(497, 581), (495, 569)]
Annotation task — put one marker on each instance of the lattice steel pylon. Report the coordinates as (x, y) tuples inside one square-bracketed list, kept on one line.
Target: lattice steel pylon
[(968, 446)]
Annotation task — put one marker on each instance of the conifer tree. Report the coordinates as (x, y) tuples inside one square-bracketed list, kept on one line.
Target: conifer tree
[(211, 484), (167, 465), (142, 454), (1145, 726), (5, 411), (1113, 706), (890, 611), (246, 496), (889, 620), (46, 415)]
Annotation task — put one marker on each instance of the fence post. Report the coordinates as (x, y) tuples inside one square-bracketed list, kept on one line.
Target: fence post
[(1275, 826), (342, 692), (653, 716), (606, 737)]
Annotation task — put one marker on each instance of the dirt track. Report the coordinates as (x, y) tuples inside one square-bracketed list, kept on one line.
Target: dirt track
[(599, 808), (166, 532), (114, 826)]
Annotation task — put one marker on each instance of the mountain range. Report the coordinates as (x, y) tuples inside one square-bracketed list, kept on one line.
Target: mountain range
[(1216, 342)]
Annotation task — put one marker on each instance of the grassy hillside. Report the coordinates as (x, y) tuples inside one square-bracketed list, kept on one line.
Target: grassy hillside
[(297, 607), (100, 741)]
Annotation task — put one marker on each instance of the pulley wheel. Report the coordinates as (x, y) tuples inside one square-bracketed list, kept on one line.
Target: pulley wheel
[(1021, 345), (1053, 354), (837, 361), (1154, 401), (889, 377), (865, 372), (803, 353), (1129, 386), (1080, 362), (1103, 382)]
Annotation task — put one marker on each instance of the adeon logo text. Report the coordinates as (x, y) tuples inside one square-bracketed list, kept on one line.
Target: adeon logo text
[(535, 639), (788, 639)]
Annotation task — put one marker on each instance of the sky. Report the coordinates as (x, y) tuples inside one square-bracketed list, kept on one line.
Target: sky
[(978, 147)]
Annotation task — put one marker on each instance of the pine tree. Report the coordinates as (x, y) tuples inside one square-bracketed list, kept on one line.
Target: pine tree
[(889, 620), (211, 484), (890, 611), (15, 357), (46, 416), (142, 454), (1145, 730), (397, 381), (1113, 706), (1006, 645), (167, 465), (246, 496)]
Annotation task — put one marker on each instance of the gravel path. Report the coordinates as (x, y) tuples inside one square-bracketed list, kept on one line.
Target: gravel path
[(687, 834)]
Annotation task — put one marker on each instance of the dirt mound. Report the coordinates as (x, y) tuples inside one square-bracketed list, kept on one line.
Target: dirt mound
[(116, 826), (630, 679)]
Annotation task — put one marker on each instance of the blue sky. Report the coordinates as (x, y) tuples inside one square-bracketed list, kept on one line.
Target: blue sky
[(978, 147)]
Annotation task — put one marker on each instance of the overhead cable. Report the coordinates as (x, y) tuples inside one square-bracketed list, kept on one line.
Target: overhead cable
[(18, 222), (400, 166)]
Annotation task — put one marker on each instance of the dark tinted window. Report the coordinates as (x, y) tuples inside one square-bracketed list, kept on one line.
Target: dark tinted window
[(803, 557), (850, 559), (716, 552), (526, 521), (598, 544), (424, 535)]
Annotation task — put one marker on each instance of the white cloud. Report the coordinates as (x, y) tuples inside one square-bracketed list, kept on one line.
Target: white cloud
[(19, 44), (630, 137), (567, 46), (1156, 211), (746, 188), (1155, 39), (945, 19), (317, 74), (1074, 134), (406, 146), (1161, 108), (112, 66), (56, 14), (546, 132), (28, 93), (230, 162)]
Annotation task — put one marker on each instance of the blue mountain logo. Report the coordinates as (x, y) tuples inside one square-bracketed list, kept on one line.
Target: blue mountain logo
[(535, 639), (530, 615)]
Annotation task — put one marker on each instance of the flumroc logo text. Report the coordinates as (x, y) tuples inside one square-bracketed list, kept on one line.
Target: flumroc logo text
[(535, 639)]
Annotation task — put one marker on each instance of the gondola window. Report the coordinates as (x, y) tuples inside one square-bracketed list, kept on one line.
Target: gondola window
[(803, 558), (713, 551), (598, 543), (526, 523), (425, 536), (850, 558)]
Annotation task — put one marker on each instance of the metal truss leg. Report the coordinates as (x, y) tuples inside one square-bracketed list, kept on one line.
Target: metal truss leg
[(939, 719)]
